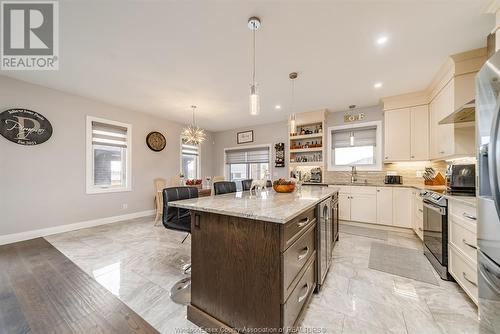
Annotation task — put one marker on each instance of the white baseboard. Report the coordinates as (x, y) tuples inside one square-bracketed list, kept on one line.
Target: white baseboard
[(406, 230), (15, 237)]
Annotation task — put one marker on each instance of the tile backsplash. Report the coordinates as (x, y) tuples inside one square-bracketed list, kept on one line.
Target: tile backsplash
[(408, 170)]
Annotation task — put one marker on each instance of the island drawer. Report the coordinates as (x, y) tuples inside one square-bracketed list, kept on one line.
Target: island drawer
[(295, 258), (294, 228), (299, 297)]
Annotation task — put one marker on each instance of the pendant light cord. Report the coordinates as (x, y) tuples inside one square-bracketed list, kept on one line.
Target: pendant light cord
[(253, 76)]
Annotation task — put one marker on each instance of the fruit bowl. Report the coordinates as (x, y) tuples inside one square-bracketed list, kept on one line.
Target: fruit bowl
[(280, 188), (283, 186)]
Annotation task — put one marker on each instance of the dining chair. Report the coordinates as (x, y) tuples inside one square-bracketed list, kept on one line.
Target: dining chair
[(224, 187), (218, 179), (246, 184), (159, 185)]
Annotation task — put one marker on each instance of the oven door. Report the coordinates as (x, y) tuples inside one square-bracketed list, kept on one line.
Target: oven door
[(435, 231)]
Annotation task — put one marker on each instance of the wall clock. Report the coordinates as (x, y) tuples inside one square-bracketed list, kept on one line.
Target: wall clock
[(156, 141)]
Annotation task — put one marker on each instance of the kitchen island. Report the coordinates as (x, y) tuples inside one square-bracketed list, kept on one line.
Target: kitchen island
[(253, 258)]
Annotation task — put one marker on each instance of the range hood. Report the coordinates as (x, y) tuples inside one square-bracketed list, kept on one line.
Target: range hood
[(464, 114)]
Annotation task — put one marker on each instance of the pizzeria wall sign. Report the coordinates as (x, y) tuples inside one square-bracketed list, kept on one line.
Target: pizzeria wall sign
[(25, 127)]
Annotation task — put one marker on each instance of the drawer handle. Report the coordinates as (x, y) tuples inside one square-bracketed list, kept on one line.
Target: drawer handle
[(466, 215), (303, 254), (303, 222), (468, 280), (301, 298), (468, 244)]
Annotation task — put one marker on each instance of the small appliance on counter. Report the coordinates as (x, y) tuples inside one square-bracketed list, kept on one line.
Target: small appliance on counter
[(393, 179), (316, 175), (461, 179)]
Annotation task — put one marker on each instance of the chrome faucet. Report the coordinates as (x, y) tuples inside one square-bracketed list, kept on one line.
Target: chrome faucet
[(354, 174)]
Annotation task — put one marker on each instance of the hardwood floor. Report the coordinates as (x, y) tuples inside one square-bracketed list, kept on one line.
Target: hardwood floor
[(42, 291)]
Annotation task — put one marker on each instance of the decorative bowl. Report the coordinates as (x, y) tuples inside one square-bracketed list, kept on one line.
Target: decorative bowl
[(284, 188)]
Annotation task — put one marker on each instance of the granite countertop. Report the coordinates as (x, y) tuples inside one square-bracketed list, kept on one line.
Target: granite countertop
[(469, 200), (265, 205)]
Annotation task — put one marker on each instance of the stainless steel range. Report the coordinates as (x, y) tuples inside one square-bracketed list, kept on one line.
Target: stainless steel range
[(436, 231)]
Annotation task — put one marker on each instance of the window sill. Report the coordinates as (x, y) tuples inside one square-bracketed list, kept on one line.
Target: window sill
[(93, 191)]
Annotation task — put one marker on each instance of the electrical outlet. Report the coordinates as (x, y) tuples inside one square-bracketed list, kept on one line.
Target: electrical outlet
[(124, 206)]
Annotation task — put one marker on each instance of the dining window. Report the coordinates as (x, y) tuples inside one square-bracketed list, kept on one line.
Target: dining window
[(247, 163), (190, 160)]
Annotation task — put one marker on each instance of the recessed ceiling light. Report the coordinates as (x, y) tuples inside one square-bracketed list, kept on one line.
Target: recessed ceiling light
[(377, 85), (382, 40), (277, 107)]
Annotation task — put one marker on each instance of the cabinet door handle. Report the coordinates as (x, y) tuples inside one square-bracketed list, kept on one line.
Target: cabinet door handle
[(301, 298), (303, 222), (466, 215), (420, 229), (413, 157), (421, 210), (468, 244), (303, 254), (468, 280), (386, 158)]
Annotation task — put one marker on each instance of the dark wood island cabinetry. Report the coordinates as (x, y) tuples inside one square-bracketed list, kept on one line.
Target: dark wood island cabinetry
[(253, 272)]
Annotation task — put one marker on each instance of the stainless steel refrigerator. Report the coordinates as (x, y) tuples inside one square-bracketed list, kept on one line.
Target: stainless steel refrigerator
[(488, 204)]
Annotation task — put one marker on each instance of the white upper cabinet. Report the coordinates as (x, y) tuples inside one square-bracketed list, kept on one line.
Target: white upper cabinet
[(422, 137), (406, 134), (419, 128), (397, 134)]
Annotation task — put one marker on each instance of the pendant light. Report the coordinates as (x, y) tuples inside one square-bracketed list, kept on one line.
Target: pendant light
[(254, 25), (192, 133), (293, 123)]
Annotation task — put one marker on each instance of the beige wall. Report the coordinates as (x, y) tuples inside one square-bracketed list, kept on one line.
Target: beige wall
[(44, 185), (263, 134), (277, 132)]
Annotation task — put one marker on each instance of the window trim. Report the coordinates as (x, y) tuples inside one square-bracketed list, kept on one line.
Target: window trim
[(198, 168), (90, 188), (378, 149), (268, 146)]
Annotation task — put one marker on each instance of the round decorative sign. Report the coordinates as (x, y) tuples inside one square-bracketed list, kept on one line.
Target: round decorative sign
[(24, 127), (156, 141)]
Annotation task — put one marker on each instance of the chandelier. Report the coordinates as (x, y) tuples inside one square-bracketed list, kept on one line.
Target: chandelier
[(192, 133)]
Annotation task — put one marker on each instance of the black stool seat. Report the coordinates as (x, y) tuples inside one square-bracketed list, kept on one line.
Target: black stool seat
[(246, 184), (224, 187), (177, 218)]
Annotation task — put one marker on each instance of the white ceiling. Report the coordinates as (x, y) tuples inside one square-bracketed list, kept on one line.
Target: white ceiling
[(160, 57)]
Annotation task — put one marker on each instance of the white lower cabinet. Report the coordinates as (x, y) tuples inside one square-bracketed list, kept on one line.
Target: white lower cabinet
[(344, 206), (402, 204), (384, 205), (418, 214), (462, 246), (363, 208), (378, 205)]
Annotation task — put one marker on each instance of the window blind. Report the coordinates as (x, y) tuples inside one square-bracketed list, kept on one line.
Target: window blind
[(366, 136), (189, 149), (249, 155), (109, 135)]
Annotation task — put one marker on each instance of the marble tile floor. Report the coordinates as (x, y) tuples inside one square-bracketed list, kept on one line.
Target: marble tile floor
[(139, 263)]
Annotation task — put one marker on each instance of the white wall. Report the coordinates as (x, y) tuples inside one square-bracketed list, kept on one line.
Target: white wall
[(43, 186)]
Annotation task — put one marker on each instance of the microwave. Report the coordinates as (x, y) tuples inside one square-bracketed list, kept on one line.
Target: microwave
[(461, 179)]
